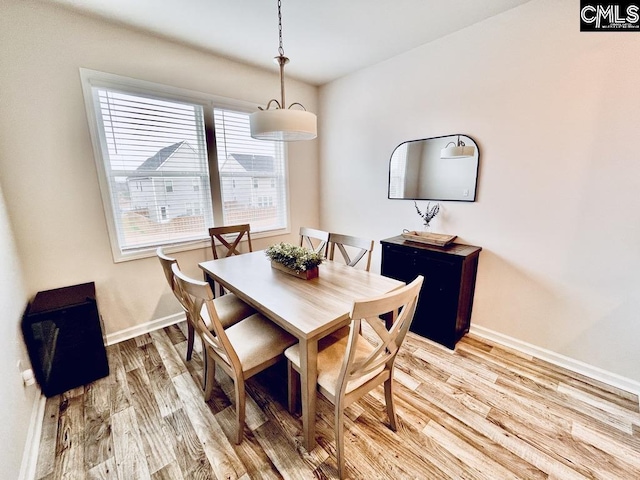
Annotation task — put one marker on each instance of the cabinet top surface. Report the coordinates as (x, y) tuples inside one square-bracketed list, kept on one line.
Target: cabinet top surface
[(459, 249), (62, 297)]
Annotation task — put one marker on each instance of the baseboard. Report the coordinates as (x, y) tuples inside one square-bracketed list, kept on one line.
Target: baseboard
[(132, 332), (32, 444), (577, 366)]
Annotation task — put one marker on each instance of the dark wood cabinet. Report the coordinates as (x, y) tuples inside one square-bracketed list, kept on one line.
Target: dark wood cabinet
[(443, 313), (63, 333)]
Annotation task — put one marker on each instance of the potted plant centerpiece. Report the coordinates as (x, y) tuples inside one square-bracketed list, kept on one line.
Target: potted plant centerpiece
[(297, 261)]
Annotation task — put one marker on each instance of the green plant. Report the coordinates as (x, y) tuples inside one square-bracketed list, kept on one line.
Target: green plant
[(429, 213), (296, 258)]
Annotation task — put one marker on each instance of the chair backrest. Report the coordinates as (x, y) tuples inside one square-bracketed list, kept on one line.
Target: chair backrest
[(196, 294), (231, 247), (167, 264), (402, 303), (307, 237), (361, 246)]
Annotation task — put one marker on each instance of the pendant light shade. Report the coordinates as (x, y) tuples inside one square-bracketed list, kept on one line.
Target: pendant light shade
[(457, 150), (281, 123)]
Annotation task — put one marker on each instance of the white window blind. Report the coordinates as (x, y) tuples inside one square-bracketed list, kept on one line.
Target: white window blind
[(154, 165), (397, 174), (251, 172), (154, 152)]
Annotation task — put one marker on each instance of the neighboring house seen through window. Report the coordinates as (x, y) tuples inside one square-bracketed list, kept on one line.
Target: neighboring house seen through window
[(154, 164)]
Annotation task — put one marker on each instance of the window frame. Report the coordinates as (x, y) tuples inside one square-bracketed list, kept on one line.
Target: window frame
[(93, 78)]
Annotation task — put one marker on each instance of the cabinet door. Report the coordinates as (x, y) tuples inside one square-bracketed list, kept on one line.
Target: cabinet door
[(437, 306)]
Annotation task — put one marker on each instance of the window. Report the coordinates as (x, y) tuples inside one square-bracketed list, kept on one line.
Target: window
[(264, 201), (154, 165), (242, 164)]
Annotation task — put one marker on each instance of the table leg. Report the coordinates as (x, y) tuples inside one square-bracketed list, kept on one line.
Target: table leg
[(308, 379)]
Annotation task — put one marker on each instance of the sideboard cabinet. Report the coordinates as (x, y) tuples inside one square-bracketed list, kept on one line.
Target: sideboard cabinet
[(444, 307)]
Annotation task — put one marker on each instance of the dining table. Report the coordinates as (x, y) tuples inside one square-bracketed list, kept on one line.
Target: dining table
[(308, 309)]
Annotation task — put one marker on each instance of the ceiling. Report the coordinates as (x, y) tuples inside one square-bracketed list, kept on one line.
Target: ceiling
[(325, 39)]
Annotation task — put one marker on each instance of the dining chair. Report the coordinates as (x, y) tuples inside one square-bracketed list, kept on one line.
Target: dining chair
[(229, 246), (350, 366), (230, 308), (313, 239), (221, 237), (359, 246), (242, 350)]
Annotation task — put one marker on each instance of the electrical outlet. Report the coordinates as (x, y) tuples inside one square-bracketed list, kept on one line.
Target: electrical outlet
[(28, 378)]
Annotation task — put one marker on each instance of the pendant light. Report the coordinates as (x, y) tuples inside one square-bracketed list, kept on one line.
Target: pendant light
[(457, 150), (281, 123)]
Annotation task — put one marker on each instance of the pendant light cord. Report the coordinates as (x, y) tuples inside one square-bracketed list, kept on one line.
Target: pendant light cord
[(280, 48)]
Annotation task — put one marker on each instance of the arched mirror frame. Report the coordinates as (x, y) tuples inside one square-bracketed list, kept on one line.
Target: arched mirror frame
[(468, 179)]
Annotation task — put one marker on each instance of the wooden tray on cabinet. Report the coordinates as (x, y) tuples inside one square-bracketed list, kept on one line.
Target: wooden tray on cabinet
[(438, 239)]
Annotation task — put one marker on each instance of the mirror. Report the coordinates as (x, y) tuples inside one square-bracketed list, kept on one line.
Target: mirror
[(418, 169)]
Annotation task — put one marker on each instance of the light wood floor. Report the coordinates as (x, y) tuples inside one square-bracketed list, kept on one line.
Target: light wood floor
[(481, 412)]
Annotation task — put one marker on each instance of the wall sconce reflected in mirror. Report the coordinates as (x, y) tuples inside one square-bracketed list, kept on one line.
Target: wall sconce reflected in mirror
[(457, 150)]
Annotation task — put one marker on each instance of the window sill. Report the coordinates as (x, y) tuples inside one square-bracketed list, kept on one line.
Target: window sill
[(188, 246)]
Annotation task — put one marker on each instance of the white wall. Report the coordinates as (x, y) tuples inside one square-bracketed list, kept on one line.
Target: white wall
[(16, 401), (556, 115), (47, 165)]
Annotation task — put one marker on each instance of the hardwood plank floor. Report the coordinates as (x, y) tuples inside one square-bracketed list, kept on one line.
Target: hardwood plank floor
[(479, 412)]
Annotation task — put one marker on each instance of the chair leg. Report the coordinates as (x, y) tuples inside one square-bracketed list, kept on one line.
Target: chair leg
[(388, 397), (293, 381), (240, 409), (339, 433), (190, 339), (216, 288), (209, 376)]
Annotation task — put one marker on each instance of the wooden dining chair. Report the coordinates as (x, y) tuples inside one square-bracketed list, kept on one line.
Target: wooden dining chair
[(229, 246), (349, 367), (242, 350), (222, 238), (359, 247), (315, 240), (230, 308)]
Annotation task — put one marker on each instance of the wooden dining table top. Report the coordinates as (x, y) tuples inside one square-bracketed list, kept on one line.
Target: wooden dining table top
[(307, 309)]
